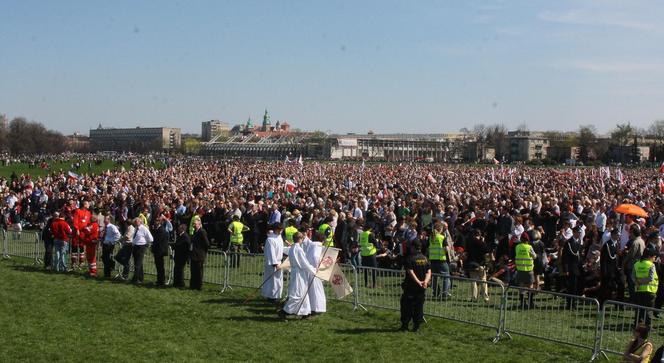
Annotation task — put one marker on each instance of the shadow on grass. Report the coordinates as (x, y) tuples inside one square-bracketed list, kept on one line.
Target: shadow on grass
[(366, 330), (262, 319)]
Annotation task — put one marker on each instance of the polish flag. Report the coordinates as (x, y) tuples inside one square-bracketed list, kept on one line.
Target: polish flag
[(290, 186)]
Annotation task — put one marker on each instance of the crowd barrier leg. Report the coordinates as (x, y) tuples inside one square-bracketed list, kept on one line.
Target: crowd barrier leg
[(38, 247), (5, 248), (227, 285), (356, 290)]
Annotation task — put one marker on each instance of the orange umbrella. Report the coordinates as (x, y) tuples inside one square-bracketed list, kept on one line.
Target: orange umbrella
[(631, 209)]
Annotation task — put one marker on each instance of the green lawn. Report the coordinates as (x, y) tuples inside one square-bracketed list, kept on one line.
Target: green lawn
[(42, 317), (36, 171)]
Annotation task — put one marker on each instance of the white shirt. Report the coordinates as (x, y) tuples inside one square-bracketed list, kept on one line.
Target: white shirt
[(142, 236), (112, 234), (600, 221)]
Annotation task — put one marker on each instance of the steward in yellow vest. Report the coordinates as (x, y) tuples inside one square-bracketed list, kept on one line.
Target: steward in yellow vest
[(646, 281)]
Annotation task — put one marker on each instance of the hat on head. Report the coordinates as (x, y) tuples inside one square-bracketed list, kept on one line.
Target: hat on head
[(525, 237)]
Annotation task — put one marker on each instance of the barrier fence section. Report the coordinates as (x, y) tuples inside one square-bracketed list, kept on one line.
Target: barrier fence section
[(25, 244), (556, 317), (244, 270), (3, 235), (618, 322), (468, 301)]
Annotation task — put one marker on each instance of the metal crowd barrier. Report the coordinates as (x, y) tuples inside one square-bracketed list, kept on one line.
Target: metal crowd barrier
[(3, 234), (560, 318), (244, 270), (379, 287), (467, 302), (215, 268), (25, 244), (618, 322)]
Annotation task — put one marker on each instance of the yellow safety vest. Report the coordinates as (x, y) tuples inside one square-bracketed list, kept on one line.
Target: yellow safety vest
[(437, 252), (236, 236), (524, 261), (642, 271), (366, 248), (329, 240)]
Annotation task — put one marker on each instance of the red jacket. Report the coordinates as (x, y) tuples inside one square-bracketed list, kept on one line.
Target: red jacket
[(90, 233), (60, 229), (81, 219)]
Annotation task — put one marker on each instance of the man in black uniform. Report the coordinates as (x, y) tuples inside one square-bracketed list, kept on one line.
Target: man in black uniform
[(418, 276), (612, 282), (181, 255), (571, 252)]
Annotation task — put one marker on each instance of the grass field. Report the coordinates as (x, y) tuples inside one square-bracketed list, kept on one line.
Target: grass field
[(36, 171), (42, 319)]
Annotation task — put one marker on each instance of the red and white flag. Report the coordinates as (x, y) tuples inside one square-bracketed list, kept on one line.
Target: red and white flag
[(290, 186), (327, 263), (339, 283)]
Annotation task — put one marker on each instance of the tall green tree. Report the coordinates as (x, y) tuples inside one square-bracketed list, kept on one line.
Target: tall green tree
[(586, 139)]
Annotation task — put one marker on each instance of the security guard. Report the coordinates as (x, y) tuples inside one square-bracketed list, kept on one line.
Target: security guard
[(368, 253), (289, 232), (524, 259), (438, 260), (327, 232), (416, 281), (236, 228), (645, 276)]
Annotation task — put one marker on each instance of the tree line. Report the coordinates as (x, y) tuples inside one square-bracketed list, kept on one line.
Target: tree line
[(21, 136), (589, 145)]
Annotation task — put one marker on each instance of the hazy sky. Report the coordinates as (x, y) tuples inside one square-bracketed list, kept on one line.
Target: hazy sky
[(343, 66)]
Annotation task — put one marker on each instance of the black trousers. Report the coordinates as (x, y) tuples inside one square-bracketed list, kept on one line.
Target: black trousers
[(412, 307), (196, 279), (647, 300), (369, 261), (138, 253), (107, 258), (48, 253), (159, 265), (178, 271), (572, 284)]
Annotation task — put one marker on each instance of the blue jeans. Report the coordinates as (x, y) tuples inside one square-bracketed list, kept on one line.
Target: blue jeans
[(61, 248), (356, 260), (447, 283)]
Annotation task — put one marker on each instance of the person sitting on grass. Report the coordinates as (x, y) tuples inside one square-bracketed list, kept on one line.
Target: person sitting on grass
[(640, 348)]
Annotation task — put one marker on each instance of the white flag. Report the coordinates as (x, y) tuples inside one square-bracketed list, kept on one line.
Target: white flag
[(340, 285)]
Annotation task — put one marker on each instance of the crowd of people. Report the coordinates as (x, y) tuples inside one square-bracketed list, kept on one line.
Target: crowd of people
[(469, 220)]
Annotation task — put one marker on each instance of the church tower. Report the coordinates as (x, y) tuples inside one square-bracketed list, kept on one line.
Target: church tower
[(266, 121)]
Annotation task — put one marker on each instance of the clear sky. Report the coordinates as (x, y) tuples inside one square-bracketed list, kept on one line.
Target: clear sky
[(343, 66)]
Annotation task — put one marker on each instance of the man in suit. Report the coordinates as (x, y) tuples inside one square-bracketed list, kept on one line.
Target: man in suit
[(161, 232), (571, 258), (199, 248), (181, 255)]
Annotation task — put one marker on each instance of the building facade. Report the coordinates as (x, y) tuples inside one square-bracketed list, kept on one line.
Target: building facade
[(139, 139), (212, 128), (527, 146)]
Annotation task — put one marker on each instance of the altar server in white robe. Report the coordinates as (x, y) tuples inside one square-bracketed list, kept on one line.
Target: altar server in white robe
[(300, 278), (314, 251), (273, 276)]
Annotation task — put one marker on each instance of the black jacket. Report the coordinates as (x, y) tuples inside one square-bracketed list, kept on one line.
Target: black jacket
[(182, 245), (571, 257), (160, 243), (200, 244)]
